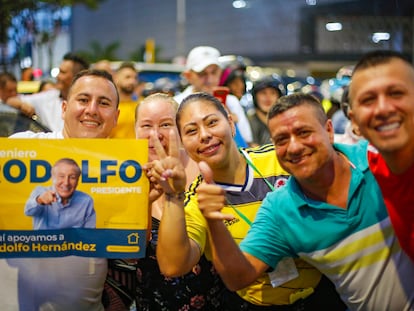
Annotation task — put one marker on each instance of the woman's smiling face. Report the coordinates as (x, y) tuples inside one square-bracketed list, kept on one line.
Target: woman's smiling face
[(207, 134)]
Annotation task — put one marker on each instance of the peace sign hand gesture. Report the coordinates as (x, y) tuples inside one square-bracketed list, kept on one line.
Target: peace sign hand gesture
[(168, 171)]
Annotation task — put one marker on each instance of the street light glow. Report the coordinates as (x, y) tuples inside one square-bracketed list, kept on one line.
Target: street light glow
[(380, 36), (333, 26), (239, 4)]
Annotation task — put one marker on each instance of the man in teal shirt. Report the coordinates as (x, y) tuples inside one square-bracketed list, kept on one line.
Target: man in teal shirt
[(330, 213)]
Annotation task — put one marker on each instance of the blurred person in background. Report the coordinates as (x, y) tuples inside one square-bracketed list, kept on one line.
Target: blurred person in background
[(27, 74), (235, 80), (48, 105), (103, 64), (126, 80), (351, 134), (265, 93), (8, 87), (203, 73), (339, 84), (46, 85), (13, 120)]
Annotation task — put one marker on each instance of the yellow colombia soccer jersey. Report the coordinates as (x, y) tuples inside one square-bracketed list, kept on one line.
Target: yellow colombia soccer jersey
[(246, 199)]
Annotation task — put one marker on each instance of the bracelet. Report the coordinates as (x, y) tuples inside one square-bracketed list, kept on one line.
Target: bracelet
[(176, 195)]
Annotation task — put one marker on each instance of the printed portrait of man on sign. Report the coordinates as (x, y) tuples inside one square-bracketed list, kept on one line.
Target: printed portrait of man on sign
[(73, 197)]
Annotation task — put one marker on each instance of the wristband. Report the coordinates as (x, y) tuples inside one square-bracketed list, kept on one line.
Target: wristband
[(176, 195)]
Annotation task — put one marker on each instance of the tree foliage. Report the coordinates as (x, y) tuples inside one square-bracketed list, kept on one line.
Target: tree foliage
[(25, 10), (138, 55), (98, 52), (10, 8)]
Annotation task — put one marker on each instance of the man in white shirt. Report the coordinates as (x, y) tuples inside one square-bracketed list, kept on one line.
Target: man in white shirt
[(203, 72), (65, 283), (48, 105)]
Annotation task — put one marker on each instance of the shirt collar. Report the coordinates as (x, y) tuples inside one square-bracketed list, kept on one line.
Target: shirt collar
[(356, 155)]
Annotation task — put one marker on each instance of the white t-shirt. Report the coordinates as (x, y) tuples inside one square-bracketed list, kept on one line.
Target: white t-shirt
[(242, 123), (56, 284), (48, 107), (30, 134)]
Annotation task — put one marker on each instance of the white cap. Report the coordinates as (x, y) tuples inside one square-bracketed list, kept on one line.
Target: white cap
[(201, 57)]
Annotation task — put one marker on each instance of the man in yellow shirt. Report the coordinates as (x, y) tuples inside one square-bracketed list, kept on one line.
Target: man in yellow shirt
[(126, 80)]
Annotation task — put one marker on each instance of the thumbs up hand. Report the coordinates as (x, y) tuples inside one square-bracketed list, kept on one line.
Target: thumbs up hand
[(211, 197)]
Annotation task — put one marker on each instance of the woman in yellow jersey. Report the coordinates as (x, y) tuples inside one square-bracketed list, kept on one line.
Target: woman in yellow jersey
[(245, 176), (196, 290)]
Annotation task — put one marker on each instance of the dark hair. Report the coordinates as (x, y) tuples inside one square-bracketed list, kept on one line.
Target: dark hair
[(287, 102), (230, 74), (43, 84), (375, 58), (272, 81), (79, 63), (205, 97), (96, 73), (345, 101), (378, 57), (6, 76), (129, 65)]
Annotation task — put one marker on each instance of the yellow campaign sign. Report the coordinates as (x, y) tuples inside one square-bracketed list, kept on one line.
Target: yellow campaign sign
[(85, 197)]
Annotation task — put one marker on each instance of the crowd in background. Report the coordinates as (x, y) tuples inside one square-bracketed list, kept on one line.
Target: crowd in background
[(253, 95), (245, 176)]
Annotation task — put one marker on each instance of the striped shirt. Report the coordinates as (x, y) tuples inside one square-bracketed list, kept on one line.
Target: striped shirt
[(354, 247)]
